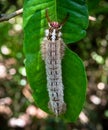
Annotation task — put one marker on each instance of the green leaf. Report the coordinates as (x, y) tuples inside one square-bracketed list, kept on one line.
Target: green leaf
[(74, 77)]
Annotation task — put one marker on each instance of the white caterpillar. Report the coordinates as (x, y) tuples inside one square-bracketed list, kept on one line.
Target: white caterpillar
[(52, 49)]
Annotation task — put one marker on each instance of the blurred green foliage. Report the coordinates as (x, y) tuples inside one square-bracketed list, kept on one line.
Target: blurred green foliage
[(15, 99)]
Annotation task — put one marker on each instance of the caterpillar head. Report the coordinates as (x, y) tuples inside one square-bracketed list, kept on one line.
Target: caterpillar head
[(56, 25)]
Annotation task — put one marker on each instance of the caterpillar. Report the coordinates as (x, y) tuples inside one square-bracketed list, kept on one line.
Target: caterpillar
[(52, 50)]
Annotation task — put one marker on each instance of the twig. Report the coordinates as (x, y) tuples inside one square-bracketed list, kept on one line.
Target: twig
[(9, 16), (20, 11)]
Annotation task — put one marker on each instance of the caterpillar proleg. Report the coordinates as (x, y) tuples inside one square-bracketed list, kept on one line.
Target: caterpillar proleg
[(52, 49)]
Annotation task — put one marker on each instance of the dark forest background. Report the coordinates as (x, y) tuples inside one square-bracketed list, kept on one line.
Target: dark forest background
[(17, 108)]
